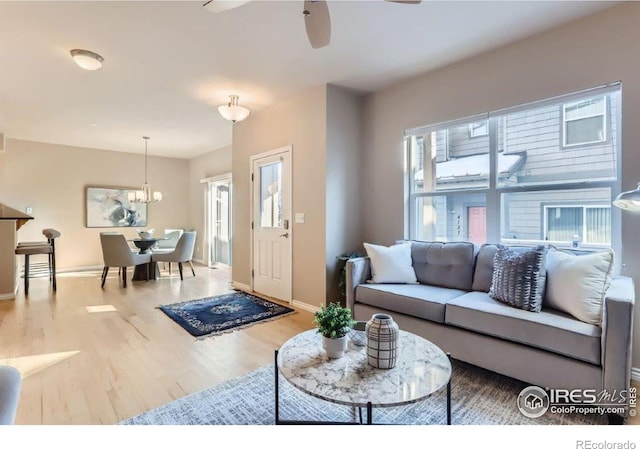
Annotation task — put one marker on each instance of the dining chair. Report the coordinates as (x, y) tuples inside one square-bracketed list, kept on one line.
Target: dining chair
[(168, 243), (169, 240), (48, 247), (182, 253), (117, 253)]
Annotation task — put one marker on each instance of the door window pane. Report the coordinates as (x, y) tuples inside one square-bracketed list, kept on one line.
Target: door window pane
[(270, 195), (223, 228)]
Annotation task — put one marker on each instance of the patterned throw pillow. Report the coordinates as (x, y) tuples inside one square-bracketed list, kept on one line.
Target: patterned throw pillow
[(519, 277)]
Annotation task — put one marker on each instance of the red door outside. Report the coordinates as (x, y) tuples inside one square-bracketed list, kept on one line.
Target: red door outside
[(477, 224)]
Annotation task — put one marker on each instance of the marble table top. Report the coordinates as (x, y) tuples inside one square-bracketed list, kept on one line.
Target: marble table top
[(422, 369)]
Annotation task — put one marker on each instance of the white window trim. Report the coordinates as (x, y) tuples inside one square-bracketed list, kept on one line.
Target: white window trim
[(584, 208), (565, 120)]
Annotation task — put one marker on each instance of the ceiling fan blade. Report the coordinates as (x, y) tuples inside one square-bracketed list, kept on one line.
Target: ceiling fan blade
[(216, 6), (317, 22)]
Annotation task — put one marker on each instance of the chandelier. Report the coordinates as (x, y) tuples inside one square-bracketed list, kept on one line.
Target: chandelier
[(144, 195)]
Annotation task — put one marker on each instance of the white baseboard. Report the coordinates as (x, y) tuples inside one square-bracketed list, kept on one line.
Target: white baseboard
[(85, 268), (305, 306), (635, 374), (200, 261), (7, 296)]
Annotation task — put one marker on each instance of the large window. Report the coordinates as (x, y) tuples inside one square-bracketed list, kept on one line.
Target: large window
[(542, 172)]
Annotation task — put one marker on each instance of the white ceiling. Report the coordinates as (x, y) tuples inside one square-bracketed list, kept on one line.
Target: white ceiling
[(169, 64)]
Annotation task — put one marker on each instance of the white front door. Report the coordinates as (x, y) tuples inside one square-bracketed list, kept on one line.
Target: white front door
[(271, 221)]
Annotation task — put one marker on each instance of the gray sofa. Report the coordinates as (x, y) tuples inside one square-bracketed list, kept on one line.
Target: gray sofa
[(452, 308), (10, 381)]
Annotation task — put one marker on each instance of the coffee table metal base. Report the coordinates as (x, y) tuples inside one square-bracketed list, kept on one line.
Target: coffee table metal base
[(369, 404)]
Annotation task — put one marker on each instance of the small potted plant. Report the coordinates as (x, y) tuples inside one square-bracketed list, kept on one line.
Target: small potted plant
[(334, 323)]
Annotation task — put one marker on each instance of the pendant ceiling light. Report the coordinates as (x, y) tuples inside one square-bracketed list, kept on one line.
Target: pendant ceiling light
[(232, 111), (144, 195), (86, 59), (629, 201)]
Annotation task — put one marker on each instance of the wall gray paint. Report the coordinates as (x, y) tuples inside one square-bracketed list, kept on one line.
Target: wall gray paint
[(549, 64), (344, 142)]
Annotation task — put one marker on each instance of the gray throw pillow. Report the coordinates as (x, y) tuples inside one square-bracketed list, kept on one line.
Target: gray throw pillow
[(519, 277)]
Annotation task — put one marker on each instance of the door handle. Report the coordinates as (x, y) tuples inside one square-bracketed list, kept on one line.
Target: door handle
[(285, 235)]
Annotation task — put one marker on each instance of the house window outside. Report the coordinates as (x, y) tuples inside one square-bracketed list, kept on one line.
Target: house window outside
[(585, 121), (586, 224), (519, 178), (479, 129)]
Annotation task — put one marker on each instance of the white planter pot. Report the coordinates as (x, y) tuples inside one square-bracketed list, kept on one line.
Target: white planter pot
[(335, 347)]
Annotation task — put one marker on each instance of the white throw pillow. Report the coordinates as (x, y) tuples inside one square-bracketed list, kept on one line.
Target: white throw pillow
[(391, 264), (577, 284)]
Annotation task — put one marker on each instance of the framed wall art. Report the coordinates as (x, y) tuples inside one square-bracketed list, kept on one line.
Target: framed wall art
[(109, 207)]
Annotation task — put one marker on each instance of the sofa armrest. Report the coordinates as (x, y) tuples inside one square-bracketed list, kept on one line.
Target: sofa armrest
[(358, 271), (617, 332), (10, 381)]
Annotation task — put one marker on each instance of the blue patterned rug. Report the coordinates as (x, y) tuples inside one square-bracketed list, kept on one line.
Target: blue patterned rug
[(206, 317)]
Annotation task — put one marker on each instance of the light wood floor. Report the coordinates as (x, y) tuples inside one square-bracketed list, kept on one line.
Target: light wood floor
[(101, 366)]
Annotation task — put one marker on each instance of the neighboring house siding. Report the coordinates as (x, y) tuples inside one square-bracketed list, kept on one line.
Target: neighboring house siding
[(461, 144), (525, 219), (539, 133), (441, 145)]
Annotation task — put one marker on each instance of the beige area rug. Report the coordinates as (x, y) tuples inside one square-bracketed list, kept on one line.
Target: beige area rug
[(479, 397)]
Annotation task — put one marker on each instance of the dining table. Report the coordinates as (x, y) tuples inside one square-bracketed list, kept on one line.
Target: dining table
[(146, 271)]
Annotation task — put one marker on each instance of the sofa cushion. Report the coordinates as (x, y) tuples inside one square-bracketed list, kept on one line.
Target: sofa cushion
[(391, 264), (519, 278), (577, 284), (551, 330), (421, 301), (448, 264), (483, 272)]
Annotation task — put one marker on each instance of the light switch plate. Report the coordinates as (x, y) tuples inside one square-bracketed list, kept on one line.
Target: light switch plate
[(29, 209), (299, 217)]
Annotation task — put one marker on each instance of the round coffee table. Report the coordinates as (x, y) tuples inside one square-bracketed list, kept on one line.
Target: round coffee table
[(421, 370)]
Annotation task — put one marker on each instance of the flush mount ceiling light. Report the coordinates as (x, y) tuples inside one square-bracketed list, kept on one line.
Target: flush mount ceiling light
[(86, 59), (232, 111)]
